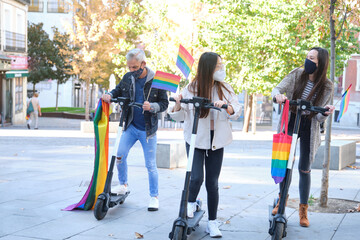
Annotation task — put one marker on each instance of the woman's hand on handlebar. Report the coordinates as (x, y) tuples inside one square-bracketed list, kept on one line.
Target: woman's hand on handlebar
[(177, 106), (280, 98), (106, 97), (331, 109), (220, 103)]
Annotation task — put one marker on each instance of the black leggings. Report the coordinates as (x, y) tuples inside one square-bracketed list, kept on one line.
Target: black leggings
[(213, 161), (304, 160)]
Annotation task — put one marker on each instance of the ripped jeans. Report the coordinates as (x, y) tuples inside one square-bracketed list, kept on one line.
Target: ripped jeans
[(128, 139), (304, 166)]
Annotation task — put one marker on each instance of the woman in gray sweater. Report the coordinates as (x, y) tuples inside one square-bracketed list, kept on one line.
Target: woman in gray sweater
[(309, 84)]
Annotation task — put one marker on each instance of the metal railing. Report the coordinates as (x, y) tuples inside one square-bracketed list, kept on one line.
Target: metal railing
[(58, 6), (37, 6), (14, 42)]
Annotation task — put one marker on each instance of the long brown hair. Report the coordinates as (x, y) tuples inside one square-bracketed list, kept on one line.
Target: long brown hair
[(203, 82), (319, 80)]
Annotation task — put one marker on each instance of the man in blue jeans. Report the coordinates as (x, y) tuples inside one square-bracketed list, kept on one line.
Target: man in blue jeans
[(140, 124)]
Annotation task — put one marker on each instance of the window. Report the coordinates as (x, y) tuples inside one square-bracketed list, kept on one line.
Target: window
[(18, 95), (36, 6), (57, 6)]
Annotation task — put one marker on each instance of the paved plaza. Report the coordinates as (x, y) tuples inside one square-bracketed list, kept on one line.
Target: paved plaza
[(43, 171)]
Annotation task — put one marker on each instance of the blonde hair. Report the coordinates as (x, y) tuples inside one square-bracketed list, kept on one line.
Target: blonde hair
[(36, 94)]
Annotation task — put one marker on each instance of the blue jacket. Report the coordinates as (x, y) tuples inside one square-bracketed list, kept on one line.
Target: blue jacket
[(158, 100)]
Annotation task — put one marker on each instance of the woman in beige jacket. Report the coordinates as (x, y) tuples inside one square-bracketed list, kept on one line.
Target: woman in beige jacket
[(214, 131), (309, 84)]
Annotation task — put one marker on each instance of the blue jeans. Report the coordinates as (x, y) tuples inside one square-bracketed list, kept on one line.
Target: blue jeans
[(128, 139)]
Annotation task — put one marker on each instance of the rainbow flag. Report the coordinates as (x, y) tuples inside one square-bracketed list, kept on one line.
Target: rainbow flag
[(344, 103), (184, 61), (166, 81), (97, 184)]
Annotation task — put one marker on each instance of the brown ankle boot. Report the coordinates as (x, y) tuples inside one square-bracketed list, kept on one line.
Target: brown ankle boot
[(304, 222), (276, 208)]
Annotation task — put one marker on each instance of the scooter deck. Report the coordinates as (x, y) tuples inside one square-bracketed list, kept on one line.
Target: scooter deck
[(194, 222), (117, 199)]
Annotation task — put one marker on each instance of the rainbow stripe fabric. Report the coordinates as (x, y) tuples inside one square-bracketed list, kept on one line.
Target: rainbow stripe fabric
[(97, 184), (184, 61), (166, 81), (281, 148), (344, 103)]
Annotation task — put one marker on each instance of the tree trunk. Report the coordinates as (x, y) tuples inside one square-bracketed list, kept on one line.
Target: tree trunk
[(253, 125), (33, 88), (326, 165), (87, 108), (57, 95), (248, 114)]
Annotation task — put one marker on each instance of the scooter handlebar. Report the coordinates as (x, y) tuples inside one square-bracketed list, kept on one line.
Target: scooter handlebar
[(209, 105), (308, 105)]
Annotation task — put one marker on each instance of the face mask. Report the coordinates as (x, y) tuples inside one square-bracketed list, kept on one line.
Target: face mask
[(310, 66), (220, 75), (138, 72)]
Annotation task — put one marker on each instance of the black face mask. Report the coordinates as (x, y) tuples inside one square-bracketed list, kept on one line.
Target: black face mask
[(138, 72), (310, 66)]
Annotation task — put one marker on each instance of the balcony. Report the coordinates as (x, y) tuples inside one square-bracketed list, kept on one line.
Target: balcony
[(14, 42), (36, 6), (57, 6)]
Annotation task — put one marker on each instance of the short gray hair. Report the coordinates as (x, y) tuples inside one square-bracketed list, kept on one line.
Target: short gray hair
[(136, 53)]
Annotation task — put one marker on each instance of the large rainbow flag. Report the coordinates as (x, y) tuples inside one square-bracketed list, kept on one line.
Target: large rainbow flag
[(97, 184), (184, 61), (166, 81), (344, 103)]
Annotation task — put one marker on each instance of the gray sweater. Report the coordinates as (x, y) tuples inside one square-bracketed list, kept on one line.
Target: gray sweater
[(286, 86)]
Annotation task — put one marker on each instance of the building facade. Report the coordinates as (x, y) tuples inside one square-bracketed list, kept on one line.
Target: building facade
[(13, 61), (58, 13)]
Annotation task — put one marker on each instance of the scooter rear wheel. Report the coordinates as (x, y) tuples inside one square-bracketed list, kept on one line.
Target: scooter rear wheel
[(279, 231), (99, 209), (178, 233)]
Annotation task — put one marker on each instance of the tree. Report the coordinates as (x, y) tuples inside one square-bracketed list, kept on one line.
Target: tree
[(94, 37), (340, 23), (62, 56), (40, 54), (259, 40)]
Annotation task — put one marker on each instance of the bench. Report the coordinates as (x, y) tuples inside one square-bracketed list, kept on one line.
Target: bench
[(171, 154), (342, 154)]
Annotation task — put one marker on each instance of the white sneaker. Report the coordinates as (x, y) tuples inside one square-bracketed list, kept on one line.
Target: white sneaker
[(120, 189), (191, 208), (153, 204), (213, 229)]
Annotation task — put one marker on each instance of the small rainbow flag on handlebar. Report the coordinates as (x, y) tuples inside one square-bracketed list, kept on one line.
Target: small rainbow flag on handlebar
[(166, 81), (344, 103), (184, 61)]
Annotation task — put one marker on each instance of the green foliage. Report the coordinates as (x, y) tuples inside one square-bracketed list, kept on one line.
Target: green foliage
[(64, 109), (40, 54), (63, 52)]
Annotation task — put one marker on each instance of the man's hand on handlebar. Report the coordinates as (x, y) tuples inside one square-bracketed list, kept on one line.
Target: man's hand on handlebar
[(106, 97), (331, 109), (177, 106), (280, 98)]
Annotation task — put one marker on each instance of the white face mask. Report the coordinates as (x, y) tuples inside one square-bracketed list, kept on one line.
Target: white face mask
[(220, 75)]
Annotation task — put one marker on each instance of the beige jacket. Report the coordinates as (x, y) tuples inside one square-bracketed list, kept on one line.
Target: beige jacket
[(286, 86), (222, 128)]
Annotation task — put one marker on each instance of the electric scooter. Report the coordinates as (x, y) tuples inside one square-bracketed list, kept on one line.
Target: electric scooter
[(278, 223), (107, 199), (183, 225)]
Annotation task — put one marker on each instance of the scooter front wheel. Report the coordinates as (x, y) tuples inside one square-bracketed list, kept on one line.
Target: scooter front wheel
[(178, 233), (279, 231), (99, 211)]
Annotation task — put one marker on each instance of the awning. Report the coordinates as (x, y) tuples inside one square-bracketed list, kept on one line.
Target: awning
[(17, 73)]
